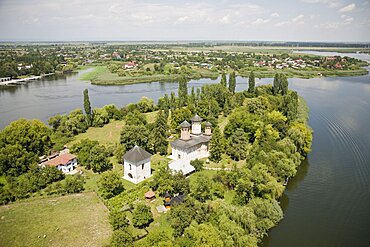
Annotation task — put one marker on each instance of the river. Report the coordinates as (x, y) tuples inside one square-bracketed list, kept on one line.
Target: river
[(326, 204)]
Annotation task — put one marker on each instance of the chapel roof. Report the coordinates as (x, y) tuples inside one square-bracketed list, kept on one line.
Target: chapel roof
[(185, 124), (193, 141), (196, 118), (136, 154)]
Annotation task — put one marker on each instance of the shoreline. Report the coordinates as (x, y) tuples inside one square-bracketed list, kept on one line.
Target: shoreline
[(303, 74), (14, 82)]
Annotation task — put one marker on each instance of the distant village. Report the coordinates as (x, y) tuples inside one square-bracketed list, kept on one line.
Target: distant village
[(40, 60)]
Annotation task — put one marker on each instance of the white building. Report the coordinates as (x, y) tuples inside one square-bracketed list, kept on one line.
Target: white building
[(190, 146), (136, 165), (65, 162)]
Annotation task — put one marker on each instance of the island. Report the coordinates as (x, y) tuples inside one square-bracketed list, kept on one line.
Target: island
[(205, 167)]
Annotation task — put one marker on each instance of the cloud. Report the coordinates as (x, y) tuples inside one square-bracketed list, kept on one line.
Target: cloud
[(282, 23), (331, 3), (275, 15), (298, 18), (347, 19), (348, 8), (260, 21)]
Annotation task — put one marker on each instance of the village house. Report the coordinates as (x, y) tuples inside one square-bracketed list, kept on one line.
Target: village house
[(190, 146), (136, 165), (130, 65), (65, 162)]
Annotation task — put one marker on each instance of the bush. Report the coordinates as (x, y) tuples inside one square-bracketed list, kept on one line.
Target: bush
[(121, 238), (110, 184), (74, 184), (142, 216)]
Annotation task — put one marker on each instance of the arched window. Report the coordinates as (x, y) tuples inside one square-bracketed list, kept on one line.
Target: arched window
[(130, 175)]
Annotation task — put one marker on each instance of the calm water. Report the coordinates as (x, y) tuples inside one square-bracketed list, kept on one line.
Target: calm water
[(326, 204)]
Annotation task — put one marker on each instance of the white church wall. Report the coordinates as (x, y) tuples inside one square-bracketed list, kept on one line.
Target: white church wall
[(137, 172)]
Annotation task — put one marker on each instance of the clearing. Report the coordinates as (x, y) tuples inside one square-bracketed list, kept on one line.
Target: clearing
[(72, 220)]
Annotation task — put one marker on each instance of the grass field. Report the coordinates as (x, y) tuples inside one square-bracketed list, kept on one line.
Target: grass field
[(73, 220), (110, 133)]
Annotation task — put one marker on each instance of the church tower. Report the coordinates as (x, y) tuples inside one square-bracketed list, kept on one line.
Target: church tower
[(185, 131), (196, 125), (208, 130)]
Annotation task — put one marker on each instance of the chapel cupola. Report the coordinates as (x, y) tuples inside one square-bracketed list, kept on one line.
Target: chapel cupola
[(196, 125), (208, 129), (185, 131)]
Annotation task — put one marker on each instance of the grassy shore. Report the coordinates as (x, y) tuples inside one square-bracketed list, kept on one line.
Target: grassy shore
[(102, 76), (73, 220), (293, 73)]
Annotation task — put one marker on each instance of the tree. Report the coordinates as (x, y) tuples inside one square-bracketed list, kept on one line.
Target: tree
[(216, 145), (98, 159), (232, 82), (289, 106), (276, 84), (238, 145), (183, 91), (145, 105), (180, 218), (101, 117), (223, 79), (92, 155), (110, 184), (118, 219), (200, 187), (122, 238), (135, 118), (142, 216), (251, 83), (132, 135), (198, 164), (113, 112), (203, 235), (283, 85), (21, 143), (87, 107), (158, 142), (74, 184)]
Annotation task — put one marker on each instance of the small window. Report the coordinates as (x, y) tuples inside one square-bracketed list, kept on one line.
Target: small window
[(130, 167), (142, 166)]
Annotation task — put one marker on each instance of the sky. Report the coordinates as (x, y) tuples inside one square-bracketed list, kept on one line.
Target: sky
[(131, 20)]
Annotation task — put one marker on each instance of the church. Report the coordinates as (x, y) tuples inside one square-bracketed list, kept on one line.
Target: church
[(192, 145)]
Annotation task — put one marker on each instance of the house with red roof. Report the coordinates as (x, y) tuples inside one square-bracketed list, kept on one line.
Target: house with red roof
[(130, 65), (65, 162), (338, 65)]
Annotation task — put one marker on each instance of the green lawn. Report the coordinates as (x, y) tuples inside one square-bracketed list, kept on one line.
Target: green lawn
[(72, 220), (110, 133)]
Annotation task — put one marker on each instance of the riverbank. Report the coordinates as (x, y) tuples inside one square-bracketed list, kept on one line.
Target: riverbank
[(23, 80), (102, 76)]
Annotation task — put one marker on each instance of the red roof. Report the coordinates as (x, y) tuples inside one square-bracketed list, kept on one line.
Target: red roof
[(149, 194), (131, 64), (60, 160)]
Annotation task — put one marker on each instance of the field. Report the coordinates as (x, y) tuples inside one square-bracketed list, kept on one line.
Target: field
[(73, 220), (110, 133)]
